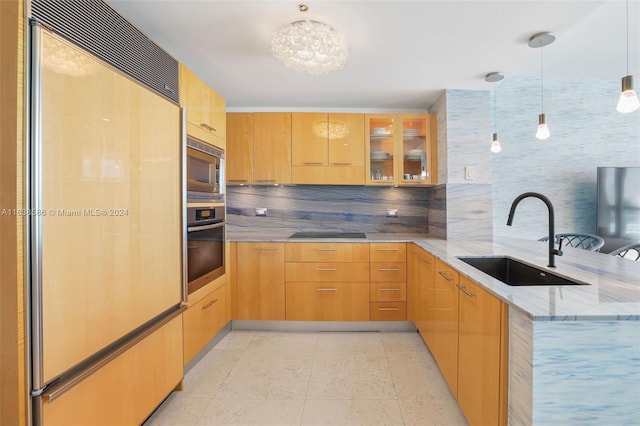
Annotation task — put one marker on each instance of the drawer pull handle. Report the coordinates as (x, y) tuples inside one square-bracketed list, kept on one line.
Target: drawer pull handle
[(465, 291), (327, 269), (388, 309), (208, 305), (326, 289), (325, 249), (388, 269), (445, 276), (313, 163), (388, 249), (206, 126), (389, 289)]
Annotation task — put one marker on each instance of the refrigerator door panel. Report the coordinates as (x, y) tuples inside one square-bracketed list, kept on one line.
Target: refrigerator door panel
[(109, 193), (618, 206)]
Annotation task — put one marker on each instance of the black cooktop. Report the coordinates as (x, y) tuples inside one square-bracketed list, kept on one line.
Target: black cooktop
[(324, 234)]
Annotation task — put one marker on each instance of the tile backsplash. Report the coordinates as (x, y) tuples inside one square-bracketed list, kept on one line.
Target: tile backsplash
[(335, 208)]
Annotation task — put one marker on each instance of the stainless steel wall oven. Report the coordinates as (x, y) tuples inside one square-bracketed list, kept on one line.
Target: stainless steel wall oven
[(205, 245)]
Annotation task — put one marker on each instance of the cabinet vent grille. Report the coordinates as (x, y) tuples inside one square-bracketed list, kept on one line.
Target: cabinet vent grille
[(97, 28)]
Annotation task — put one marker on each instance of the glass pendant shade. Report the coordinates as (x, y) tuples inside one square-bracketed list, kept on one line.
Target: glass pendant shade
[(543, 130), (309, 47), (628, 101), (495, 145)]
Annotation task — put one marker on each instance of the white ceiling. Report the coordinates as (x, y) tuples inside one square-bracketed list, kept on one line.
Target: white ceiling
[(402, 53)]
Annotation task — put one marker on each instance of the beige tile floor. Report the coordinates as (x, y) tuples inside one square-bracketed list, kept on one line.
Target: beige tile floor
[(324, 378)]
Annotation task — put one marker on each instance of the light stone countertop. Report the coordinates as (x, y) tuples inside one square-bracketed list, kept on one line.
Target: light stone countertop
[(612, 293)]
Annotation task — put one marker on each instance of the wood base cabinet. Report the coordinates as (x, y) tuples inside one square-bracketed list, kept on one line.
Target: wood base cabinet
[(203, 320), (445, 324), (260, 281), (335, 301), (127, 389), (479, 317), (327, 281)]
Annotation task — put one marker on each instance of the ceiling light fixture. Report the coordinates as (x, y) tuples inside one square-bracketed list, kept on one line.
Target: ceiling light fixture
[(309, 46), (494, 77), (541, 40), (628, 101)]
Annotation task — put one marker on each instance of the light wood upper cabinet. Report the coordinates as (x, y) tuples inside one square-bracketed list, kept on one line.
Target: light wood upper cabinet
[(328, 148), (239, 154), (401, 149), (309, 141), (260, 281), (272, 147), (206, 109)]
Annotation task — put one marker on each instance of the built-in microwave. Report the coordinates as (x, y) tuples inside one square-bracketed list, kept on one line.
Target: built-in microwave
[(205, 172)]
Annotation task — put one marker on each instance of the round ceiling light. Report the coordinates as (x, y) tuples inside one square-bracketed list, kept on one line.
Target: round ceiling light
[(309, 47)]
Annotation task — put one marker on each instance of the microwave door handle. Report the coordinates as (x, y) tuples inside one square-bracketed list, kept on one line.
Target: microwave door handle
[(205, 227)]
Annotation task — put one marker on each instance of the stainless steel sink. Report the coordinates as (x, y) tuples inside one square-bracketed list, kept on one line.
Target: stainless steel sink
[(513, 272)]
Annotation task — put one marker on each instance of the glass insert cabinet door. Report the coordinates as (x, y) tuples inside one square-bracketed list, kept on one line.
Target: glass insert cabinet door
[(381, 131), (399, 149)]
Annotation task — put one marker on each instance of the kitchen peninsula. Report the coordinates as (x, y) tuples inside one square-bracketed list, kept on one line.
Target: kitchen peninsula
[(572, 349)]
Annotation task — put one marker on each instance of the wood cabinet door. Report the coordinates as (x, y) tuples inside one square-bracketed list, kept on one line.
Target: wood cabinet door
[(239, 153), (103, 277), (413, 277), (309, 139), (479, 354), (314, 301), (218, 116), (260, 281), (202, 321), (194, 95), (426, 297), (346, 140), (272, 147), (445, 344)]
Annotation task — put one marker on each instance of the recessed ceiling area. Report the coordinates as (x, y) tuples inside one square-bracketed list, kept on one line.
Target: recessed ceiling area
[(402, 53)]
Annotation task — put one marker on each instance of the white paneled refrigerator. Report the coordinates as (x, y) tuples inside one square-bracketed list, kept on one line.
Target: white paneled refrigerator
[(105, 228)]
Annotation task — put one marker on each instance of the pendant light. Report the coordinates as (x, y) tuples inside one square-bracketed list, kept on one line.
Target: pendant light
[(494, 77), (628, 101), (539, 41)]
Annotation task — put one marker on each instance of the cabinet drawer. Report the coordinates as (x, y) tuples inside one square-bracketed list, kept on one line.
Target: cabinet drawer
[(202, 321), (388, 252), (326, 252), (327, 302), (357, 272), (388, 272), (388, 292), (388, 311)]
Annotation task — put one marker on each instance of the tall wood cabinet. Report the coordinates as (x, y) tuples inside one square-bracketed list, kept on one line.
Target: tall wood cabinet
[(206, 109), (327, 148), (259, 148)]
